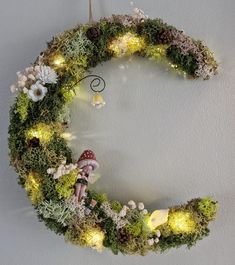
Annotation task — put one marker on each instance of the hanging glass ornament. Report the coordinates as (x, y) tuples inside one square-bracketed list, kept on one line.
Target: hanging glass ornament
[(98, 101)]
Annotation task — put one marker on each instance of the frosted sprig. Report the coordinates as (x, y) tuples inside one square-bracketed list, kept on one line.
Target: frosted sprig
[(62, 170), (61, 212), (116, 217)]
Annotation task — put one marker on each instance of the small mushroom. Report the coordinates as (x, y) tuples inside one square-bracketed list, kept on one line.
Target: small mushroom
[(88, 158)]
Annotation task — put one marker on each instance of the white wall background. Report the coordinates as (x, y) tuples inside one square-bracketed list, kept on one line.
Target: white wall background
[(160, 139)]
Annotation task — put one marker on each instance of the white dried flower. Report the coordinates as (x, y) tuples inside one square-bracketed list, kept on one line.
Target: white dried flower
[(117, 219), (37, 92), (150, 241), (45, 74), (132, 204), (62, 170), (140, 206), (123, 211)]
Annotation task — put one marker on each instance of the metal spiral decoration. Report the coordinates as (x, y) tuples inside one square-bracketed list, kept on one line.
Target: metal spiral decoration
[(95, 83)]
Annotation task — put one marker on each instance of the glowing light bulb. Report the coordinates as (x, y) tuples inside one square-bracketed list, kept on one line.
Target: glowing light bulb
[(58, 60), (41, 131), (181, 222), (157, 218), (94, 238), (33, 187), (126, 44), (98, 101)]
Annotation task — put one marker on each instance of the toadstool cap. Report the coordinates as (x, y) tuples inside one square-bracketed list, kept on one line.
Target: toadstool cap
[(88, 158)]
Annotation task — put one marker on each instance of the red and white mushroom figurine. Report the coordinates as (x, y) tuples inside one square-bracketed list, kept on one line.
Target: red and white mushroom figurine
[(87, 163), (88, 158)]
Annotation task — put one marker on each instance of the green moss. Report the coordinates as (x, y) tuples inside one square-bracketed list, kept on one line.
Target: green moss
[(150, 29), (110, 240), (136, 245), (53, 225), (65, 184), (208, 207), (42, 111), (116, 206), (135, 228), (107, 32), (35, 159), (60, 147), (16, 140), (176, 241), (99, 197), (48, 188), (40, 158), (22, 104), (187, 63)]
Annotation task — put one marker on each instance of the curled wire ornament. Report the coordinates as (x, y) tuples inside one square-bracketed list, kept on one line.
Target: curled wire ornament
[(95, 83)]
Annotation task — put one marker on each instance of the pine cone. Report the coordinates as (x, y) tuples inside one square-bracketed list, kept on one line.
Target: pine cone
[(34, 142), (123, 236), (93, 33)]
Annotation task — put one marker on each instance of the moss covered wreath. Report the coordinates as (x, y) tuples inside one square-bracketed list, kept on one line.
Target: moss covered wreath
[(54, 181)]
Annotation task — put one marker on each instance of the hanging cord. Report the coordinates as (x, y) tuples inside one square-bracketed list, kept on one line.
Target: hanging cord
[(90, 13)]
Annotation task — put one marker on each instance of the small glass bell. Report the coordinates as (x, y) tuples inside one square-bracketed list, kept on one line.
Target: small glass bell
[(98, 101)]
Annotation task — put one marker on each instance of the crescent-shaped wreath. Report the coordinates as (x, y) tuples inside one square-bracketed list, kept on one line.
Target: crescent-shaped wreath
[(55, 182)]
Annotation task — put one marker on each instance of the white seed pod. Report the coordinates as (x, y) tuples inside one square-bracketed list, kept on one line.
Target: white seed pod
[(145, 211), (29, 69), (73, 166), (32, 77), (156, 240), (150, 241), (23, 78), (66, 171), (57, 175), (21, 84), (51, 170), (158, 233), (132, 204), (140, 206), (25, 90), (122, 213)]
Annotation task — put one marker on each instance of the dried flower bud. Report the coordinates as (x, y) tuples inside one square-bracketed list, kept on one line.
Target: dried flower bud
[(140, 206), (132, 204), (156, 240), (145, 211), (13, 88), (158, 233), (150, 241)]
